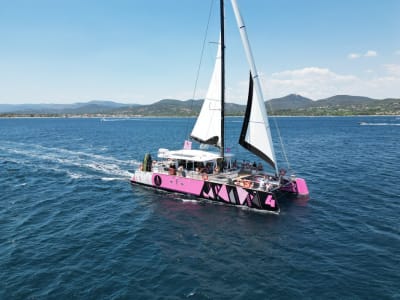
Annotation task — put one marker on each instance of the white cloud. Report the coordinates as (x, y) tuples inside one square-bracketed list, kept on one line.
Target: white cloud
[(371, 53), (318, 83), (392, 69), (312, 82), (353, 56)]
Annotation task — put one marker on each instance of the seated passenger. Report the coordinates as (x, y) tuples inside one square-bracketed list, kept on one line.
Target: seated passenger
[(172, 170), (181, 171), (263, 182), (216, 170)]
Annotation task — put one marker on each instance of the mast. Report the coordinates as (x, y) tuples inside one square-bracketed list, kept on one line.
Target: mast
[(222, 21)]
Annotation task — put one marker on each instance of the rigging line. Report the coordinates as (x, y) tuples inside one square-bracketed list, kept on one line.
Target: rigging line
[(272, 115), (200, 64)]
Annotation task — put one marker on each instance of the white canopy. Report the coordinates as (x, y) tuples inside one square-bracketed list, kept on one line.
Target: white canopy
[(189, 154)]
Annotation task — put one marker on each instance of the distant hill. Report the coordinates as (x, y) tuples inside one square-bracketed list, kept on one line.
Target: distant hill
[(95, 106), (21, 108), (165, 107), (289, 105), (343, 100), (105, 103), (172, 107), (344, 105), (291, 101)]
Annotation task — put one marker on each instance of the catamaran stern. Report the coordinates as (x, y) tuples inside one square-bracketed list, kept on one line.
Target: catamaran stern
[(297, 186)]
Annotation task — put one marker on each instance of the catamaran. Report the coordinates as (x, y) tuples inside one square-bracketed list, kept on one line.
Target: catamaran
[(216, 175)]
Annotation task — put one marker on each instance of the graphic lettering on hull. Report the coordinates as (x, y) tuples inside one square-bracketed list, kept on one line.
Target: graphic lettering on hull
[(236, 195), (231, 194)]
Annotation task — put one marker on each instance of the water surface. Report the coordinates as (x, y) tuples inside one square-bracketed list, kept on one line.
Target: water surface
[(71, 226)]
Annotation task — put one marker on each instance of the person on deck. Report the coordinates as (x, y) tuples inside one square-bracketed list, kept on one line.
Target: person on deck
[(172, 170), (216, 170), (263, 182)]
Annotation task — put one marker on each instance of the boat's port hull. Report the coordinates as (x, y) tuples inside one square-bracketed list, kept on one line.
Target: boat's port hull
[(227, 193)]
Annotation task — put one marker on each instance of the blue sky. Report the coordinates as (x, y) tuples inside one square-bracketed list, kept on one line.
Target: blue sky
[(139, 51)]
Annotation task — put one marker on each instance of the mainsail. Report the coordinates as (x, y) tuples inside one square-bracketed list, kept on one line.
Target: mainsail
[(207, 129)]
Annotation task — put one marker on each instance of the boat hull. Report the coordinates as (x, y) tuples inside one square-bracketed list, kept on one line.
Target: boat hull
[(227, 193), (297, 186)]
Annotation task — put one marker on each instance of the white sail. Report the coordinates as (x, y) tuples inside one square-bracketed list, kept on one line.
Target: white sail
[(207, 129), (258, 135), (255, 131)]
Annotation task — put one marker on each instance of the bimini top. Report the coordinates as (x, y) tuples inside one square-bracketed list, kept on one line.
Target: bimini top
[(188, 154)]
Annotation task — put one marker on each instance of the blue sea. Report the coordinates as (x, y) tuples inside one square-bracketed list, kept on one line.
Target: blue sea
[(72, 226)]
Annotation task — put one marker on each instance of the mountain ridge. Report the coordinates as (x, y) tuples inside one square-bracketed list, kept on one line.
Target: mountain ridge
[(292, 104)]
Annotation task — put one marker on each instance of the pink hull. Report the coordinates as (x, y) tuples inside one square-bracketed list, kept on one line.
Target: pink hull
[(302, 188), (220, 192), (178, 183), (298, 187)]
